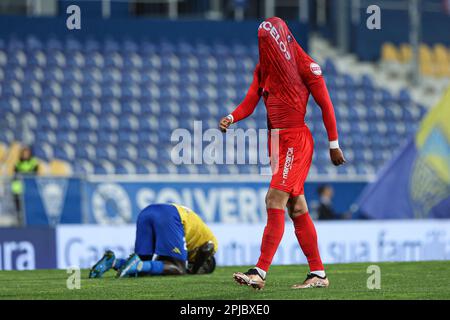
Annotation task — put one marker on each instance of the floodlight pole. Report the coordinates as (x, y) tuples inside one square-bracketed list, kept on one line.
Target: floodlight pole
[(342, 25), (173, 9), (415, 38), (106, 9), (303, 11), (269, 8), (321, 13)]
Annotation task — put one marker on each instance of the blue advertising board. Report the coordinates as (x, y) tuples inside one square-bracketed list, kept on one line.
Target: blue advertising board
[(116, 200), (27, 248), (221, 201), (51, 200)]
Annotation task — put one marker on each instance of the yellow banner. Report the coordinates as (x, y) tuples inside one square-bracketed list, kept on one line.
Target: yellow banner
[(433, 138), (430, 180)]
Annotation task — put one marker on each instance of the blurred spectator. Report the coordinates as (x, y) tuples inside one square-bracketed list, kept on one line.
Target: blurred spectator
[(325, 210), (446, 4), (26, 165)]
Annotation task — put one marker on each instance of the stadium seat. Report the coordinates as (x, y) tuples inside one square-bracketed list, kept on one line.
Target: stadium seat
[(83, 167), (442, 58), (3, 152), (43, 168), (125, 167), (59, 168), (389, 53), (121, 121), (146, 167), (405, 53)]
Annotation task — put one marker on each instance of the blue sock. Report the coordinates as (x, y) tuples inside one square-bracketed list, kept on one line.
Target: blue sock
[(119, 263), (152, 267)]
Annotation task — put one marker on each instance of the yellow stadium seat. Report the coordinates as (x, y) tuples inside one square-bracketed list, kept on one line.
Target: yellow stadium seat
[(405, 52), (3, 151), (440, 51), (425, 53), (59, 168), (389, 52), (427, 68), (43, 168), (443, 69), (11, 158)]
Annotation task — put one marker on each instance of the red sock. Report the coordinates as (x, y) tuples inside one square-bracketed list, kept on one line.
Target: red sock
[(273, 232), (307, 238)]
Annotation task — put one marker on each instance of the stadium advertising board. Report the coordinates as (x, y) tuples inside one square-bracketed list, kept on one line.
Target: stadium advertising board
[(221, 200), (339, 242), (27, 248), (50, 200), (227, 202), (112, 200), (82, 245)]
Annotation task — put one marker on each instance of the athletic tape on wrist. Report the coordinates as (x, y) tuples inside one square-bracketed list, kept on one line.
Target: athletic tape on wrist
[(334, 144)]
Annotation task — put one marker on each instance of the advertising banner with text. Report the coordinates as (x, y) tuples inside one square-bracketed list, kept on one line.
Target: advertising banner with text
[(339, 242)]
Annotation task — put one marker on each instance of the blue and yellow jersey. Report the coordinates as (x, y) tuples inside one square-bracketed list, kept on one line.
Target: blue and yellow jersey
[(197, 233)]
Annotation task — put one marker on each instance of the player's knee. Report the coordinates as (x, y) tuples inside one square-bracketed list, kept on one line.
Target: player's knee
[(272, 201), (298, 211), (275, 200)]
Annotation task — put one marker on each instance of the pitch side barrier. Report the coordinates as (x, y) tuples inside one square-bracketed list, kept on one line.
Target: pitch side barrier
[(81, 245)]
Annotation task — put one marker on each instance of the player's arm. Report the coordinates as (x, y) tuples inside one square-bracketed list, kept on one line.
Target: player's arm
[(247, 106), (312, 77), (203, 257)]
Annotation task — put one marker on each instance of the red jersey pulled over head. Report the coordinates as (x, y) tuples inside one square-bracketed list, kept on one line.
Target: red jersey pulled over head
[(279, 77), (285, 76)]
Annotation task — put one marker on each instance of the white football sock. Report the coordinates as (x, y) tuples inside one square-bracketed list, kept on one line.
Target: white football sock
[(320, 273), (261, 272)]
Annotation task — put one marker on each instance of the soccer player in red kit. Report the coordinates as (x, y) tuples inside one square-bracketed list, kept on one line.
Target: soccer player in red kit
[(285, 77)]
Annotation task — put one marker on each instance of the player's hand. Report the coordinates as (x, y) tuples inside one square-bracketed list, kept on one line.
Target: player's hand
[(337, 157), (224, 123)]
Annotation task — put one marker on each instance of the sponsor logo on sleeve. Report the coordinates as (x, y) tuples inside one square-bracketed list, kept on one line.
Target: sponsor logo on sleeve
[(315, 69)]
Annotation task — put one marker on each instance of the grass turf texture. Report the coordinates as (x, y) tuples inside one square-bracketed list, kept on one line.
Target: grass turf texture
[(406, 280)]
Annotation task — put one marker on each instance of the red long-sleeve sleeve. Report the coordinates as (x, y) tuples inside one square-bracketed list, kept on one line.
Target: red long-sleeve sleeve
[(311, 74), (248, 105), (320, 94)]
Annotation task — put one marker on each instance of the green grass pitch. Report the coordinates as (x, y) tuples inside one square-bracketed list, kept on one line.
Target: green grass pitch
[(407, 280)]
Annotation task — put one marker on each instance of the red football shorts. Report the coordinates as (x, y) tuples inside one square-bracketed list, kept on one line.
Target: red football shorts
[(291, 160)]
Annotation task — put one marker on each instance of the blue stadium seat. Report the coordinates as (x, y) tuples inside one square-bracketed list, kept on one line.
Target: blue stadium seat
[(43, 151), (85, 137), (106, 137), (111, 105), (125, 167), (82, 166), (85, 151), (69, 137), (128, 152), (53, 44), (103, 167), (128, 137), (65, 152)]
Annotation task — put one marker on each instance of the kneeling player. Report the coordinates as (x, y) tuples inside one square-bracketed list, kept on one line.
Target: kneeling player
[(170, 240)]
